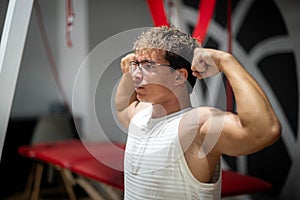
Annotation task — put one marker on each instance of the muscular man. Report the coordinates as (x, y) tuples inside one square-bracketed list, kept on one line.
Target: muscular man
[(173, 151)]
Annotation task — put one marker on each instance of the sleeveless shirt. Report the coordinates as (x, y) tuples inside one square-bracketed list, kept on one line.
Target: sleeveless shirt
[(154, 162)]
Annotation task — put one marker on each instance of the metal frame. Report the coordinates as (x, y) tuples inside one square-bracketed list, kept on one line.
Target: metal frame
[(11, 50)]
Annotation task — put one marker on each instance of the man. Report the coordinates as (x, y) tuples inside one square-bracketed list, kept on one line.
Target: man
[(173, 151)]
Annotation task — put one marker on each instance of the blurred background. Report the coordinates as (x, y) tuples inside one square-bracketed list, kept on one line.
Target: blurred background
[(265, 39)]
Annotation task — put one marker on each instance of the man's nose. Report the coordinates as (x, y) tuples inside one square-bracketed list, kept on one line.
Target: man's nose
[(137, 75), (138, 72)]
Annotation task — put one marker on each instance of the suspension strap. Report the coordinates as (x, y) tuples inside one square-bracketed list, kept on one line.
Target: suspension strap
[(158, 12), (205, 12), (69, 21), (229, 93)]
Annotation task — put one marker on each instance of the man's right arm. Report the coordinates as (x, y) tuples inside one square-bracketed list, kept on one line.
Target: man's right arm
[(125, 99)]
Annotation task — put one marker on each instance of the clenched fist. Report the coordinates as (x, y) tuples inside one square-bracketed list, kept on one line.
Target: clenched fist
[(125, 62), (205, 62)]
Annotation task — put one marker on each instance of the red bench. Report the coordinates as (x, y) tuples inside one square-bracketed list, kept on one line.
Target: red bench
[(71, 158)]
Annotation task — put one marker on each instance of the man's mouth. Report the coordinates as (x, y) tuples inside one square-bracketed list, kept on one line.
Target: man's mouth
[(139, 88)]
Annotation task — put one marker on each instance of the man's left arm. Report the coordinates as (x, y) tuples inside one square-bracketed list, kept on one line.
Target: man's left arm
[(255, 125)]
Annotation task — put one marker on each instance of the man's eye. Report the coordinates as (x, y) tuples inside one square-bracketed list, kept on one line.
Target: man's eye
[(132, 63), (149, 67)]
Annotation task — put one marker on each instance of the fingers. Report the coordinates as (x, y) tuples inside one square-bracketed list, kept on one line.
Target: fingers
[(203, 63), (202, 59), (199, 66), (197, 75), (125, 62)]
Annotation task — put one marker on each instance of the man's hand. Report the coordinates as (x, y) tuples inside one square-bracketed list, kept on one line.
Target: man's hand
[(125, 62), (205, 62)]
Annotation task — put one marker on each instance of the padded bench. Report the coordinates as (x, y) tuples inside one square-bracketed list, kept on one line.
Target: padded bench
[(77, 165)]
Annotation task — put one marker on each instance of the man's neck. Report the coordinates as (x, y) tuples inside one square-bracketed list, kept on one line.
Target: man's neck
[(161, 110)]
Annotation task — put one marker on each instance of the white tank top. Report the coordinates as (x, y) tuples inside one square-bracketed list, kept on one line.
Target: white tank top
[(154, 163)]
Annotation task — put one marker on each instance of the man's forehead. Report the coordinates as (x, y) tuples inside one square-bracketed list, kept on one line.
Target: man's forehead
[(150, 54)]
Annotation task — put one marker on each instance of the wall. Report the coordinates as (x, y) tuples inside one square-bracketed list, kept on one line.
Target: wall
[(37, 93), (36, 96)]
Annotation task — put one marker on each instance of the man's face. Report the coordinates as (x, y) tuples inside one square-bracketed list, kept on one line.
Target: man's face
[(154, 85)]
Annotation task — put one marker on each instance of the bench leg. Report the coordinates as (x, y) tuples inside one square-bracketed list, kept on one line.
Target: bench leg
[(37, 181), (89, 189), (69, 182), (112, 192), (99, 191), (29, 184)]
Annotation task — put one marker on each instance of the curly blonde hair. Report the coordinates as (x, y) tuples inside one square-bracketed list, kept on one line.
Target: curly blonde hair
[(177, 45)]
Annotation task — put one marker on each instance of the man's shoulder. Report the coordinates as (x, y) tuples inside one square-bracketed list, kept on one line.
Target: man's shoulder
[(198, 111), (195, 117)]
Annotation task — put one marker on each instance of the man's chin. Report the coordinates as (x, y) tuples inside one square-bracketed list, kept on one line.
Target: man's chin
[(142, 98)]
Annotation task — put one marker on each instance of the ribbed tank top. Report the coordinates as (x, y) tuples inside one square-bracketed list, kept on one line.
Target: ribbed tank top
[(154, 163)]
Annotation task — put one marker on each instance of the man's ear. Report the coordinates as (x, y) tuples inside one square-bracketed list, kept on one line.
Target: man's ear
[(181, 76)]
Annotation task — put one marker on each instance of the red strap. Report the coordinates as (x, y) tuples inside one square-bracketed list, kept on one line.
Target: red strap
[(158, 12), (70, 20), (205, 12), (229, 93)]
